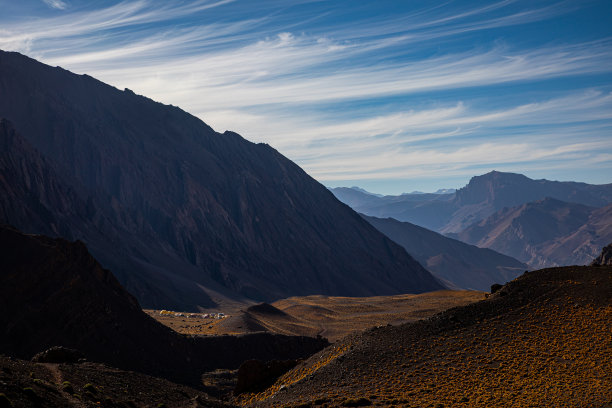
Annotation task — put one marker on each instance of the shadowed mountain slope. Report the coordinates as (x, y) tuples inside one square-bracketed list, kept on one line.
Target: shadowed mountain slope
[(542, 340), (190, 207), (53, 292), (548, 232), (466, 266), (37, 199)]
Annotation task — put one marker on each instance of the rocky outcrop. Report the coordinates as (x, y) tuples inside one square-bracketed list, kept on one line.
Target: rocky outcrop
[(605, 258)]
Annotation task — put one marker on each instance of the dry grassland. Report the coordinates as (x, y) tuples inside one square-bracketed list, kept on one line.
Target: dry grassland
[(331, 317)]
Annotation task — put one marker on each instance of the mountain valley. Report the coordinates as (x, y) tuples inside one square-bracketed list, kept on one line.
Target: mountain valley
[(147, 260), (330, 317)]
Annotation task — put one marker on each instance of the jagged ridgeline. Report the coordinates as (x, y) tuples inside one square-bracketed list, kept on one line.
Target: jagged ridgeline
[(176, 210)]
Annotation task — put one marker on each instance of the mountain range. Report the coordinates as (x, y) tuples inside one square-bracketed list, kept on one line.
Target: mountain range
[(481, 197), (545, 233), (183, 215), (539, 222)]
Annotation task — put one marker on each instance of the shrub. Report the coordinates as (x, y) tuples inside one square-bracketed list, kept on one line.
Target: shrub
[(90, 388), (5, 402), (67, 387), (357, 402), (30, 393)]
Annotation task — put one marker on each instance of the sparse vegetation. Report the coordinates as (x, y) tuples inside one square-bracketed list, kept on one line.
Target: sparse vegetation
[(545, 343)]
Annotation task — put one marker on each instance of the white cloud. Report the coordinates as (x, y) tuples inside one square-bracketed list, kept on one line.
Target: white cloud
[(56, 4)]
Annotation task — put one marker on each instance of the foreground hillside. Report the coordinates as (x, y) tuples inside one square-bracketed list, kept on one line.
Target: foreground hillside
[(544, 339), (54, 293), (51, 385), (183, 211), (331, 317)]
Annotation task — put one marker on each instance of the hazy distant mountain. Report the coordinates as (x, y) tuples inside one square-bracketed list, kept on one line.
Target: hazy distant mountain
[(544, 233), (427, 209), (465, 266), (480, 198), (445, 191), (182, 208), (361, 190)]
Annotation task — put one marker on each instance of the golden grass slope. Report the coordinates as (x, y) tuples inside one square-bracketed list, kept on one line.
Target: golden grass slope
[(328, 316), (544, 340)]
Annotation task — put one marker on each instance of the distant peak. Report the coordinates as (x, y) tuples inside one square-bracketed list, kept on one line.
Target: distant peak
[(361, 190), (498, 174), (445, 191), (497, 177)]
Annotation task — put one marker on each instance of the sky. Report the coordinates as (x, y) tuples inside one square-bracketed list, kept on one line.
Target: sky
[(391, 96)]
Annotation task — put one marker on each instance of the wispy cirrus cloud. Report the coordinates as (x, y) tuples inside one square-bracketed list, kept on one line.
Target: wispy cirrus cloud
[(459, 138), (368, 95)]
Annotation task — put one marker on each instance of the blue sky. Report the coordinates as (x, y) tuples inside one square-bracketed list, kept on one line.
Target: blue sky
[(392, 96)]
